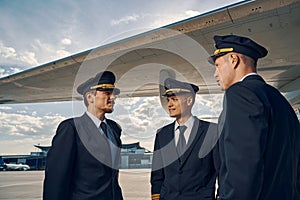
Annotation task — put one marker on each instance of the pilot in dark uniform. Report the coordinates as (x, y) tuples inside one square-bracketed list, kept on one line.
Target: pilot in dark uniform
[(259, 132), (83, 161), (180, 169)]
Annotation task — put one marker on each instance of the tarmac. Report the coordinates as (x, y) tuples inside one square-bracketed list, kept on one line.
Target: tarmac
[(25, 185)]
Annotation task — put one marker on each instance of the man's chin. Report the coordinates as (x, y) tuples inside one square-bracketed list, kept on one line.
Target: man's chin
[(109, 110), (222, 87), (172, 115)]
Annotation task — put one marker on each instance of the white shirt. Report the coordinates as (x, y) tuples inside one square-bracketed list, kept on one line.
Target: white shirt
[(189, 124), (96, 120), (253, 73)]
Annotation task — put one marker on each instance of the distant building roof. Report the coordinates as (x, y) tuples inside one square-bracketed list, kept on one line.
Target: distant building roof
[(124, 146), (131, 146), (43, 148)]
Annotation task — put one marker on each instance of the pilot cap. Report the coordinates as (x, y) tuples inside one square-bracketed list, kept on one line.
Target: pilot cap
[(238, 44), (174, 87), (103, 81)]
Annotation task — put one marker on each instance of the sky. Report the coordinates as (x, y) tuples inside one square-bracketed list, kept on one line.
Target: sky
[(35, 32)]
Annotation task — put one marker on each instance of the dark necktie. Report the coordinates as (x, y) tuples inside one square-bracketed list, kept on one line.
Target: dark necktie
[(112, 144), (104, 129), (181, 140)]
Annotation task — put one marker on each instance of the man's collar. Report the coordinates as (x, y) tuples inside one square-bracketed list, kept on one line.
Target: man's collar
[(96, 121), (188, 123), (250, 74)]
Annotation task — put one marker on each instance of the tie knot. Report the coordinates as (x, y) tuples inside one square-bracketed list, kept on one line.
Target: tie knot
[(182, 129)]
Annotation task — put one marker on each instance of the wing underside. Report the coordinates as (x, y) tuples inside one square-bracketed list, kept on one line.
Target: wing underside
[(179, 50)]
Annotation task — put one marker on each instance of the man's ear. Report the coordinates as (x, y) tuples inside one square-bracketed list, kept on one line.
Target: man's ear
[(234, 60), (90, 97), (190, 100)]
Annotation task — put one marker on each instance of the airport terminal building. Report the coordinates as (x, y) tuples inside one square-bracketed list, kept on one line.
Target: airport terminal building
[(132, 156)]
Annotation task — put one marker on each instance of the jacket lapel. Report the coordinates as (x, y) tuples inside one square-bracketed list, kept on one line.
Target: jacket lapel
[(116, 147), (196, 133), (115, 135), (92, 140), (169, 136), (168, 146)]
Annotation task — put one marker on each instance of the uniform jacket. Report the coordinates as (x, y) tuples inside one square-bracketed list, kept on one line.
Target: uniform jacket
[(79, 163), (190, 176), (259, 143)]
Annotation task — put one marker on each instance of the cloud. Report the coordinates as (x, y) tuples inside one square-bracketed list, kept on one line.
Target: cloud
[(23, 125), (208, 107), (39, 52), (191, 13), (30, 123), (7, 52), (125, 20), (5, 108), (28, 57), (127, 103), (49, 51), (66, 41), (21, 146), (8, 55), (62, 53), (168, 18), (140, 118), (7, 70)]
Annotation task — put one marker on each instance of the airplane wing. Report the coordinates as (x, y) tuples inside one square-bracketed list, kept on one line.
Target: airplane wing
[(180, 50)]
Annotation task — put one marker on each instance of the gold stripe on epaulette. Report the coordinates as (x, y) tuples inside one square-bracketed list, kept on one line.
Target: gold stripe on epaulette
[(223, 50), (103, 86)]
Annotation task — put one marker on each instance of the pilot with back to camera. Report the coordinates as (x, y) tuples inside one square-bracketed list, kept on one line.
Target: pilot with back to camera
[(259, 132)]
